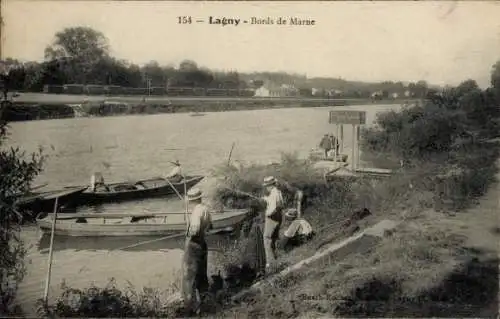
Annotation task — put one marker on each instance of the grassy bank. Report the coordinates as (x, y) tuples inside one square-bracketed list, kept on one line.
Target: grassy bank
[(27, 111), (424, 269), (441, 261)]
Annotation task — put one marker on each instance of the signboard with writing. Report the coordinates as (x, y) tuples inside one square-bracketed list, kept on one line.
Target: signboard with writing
[(348, 117)]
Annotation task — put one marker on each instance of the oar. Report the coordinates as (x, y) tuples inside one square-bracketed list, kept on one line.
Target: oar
[(51, 251), (243, 193), (175, 190), (39, 186), (230, 153)]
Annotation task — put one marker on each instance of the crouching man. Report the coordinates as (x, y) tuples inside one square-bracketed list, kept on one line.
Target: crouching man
[(298, 233)]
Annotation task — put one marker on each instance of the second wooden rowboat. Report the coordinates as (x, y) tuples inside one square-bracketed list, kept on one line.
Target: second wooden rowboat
[(104, 225)]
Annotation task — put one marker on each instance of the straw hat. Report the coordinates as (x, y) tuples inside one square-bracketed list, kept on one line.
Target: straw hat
[(291, 214), (194, 194), (269, 180)]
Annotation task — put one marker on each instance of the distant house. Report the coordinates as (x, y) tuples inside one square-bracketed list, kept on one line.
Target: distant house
[(407, 93), (377, 95), (270, 89), (394, 95), (335, 93), (262, 92)]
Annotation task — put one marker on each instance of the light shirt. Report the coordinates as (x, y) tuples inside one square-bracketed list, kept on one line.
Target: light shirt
[(200, 221), (298, 227), (174, 172), (274, 201)]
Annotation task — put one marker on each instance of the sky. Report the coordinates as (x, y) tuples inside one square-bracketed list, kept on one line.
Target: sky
[(441, 42)]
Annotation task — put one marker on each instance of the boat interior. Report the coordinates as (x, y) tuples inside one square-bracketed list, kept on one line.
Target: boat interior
[(131, 186)]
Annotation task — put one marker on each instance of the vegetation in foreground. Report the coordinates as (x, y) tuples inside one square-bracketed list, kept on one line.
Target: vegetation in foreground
[(424, 269), (17, 171)]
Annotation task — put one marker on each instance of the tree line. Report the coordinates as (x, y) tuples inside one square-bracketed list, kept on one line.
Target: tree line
[(81, 55)]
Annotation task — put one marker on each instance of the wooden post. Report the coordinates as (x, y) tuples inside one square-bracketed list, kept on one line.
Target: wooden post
[(353, 146), (341, 138), (337, 134), (186, 203), (51, 251), (357, 145), (230, 153)]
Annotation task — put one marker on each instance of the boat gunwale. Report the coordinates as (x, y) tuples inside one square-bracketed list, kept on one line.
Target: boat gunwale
[(70, 216), (194, 179), (135, 229)]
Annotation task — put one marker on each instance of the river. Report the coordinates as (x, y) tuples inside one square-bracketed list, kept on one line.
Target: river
[(138, 147)]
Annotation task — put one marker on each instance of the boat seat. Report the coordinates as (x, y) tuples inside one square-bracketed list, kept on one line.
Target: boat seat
[(125, 187)]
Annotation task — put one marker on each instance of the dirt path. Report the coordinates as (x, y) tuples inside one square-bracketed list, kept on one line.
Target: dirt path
[(481, 226)]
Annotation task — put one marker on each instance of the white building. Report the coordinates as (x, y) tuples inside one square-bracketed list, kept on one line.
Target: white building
[(262, 92)]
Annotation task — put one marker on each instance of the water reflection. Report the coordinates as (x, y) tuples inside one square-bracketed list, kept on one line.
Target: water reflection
[(128, 243)]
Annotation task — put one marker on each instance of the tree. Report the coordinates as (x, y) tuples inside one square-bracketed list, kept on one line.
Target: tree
[(86, 47), (495, 80), (466, 86), (154, 72), (421, 88), (16, 174), (188, 66)]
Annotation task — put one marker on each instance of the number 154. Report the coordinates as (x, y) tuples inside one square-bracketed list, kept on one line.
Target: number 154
[(184, 20)]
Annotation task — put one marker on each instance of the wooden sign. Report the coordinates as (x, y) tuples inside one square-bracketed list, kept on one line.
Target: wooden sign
[(348, 117)]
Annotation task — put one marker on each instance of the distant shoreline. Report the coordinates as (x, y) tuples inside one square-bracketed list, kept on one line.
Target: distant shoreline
[(33, 106)]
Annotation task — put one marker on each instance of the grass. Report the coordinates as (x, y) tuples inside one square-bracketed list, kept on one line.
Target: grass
[(402, 276)]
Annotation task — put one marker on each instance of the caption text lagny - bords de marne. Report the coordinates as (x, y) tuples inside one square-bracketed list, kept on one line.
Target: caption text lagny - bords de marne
[(225, 21)]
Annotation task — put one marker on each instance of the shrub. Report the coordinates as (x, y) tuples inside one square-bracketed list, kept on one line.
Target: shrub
[(16, 175), (110, 301)]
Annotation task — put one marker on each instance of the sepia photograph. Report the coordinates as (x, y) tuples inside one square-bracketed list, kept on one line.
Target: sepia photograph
[(260, 159)]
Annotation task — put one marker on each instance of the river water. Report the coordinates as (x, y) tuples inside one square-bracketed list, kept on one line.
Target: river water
[(138, 147)]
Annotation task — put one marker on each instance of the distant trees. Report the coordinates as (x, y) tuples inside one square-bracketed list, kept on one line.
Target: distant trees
[(81, 55), (495, 80), (84, 48)]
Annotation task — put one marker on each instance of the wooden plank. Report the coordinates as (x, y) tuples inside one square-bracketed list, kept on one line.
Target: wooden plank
[(124, 215)]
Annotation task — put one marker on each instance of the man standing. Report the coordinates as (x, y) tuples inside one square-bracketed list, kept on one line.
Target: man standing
[(326, 144), (195, 280), (175, 175), (272, 219), (335, 143)]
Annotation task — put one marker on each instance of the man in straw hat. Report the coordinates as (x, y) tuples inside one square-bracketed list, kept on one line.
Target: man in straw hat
[(273, 218), (195, 280), (175, 175)]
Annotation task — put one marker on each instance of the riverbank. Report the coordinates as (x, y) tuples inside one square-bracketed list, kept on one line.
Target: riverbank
[(418, 269), (435, 263), (438, 261), (56, 107)]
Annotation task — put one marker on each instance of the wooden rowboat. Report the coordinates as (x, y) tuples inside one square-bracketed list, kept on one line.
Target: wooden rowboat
[(126, 191), (109, 225), (44, 201)]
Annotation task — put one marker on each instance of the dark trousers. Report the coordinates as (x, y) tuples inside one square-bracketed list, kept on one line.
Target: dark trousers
[(195, 265), (288, 244)]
